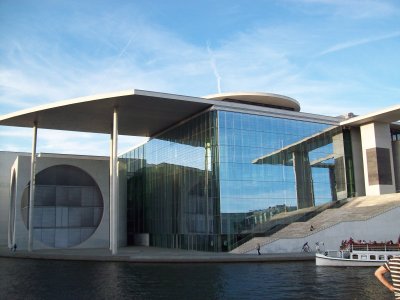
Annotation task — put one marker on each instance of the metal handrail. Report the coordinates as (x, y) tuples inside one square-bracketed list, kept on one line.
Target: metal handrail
[(300, 218), (375, 247)]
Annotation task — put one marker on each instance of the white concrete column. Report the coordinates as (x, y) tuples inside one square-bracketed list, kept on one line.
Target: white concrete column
[(32, 189), (114, 184), (12, 211), (340, 166), (110, 191), (377, 158)]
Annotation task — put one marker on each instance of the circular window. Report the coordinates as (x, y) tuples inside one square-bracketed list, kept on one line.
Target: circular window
[(68, 206)]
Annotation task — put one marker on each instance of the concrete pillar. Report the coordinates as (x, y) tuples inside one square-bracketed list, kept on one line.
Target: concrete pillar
[(304, 186), (32, 189), (12, 210), (358, 164), (377, 158), (114, 185), (332, 181), (340, 166), (396, 163), (110, 192)]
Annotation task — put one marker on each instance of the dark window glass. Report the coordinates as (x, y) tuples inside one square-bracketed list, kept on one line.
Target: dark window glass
[(172, 187)]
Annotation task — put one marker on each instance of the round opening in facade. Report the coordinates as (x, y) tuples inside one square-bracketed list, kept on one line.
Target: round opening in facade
[(68, 206)]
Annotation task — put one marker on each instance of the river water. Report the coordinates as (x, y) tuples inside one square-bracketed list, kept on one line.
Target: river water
[(46, 279)]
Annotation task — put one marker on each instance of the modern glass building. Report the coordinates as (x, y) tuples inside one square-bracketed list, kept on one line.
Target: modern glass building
[(224, 175), (215, 172)]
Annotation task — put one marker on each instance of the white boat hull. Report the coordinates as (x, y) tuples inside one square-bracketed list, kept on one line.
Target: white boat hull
[(322, 260), (358, 255)]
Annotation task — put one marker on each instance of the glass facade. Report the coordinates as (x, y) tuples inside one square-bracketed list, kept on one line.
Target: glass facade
[(270, 166), (173, 187), (213, 180)]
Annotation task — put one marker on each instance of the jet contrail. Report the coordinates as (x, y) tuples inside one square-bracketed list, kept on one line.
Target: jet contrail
[(214, 67)]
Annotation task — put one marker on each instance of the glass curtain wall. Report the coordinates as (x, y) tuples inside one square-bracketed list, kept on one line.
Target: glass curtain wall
[(272, 165), (223, 176), (173, 187)]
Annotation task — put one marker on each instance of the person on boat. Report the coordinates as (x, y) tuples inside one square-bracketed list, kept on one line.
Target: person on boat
[(392, 266)]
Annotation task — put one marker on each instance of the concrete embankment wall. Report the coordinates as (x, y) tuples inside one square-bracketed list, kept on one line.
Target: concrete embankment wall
[(383, 227)]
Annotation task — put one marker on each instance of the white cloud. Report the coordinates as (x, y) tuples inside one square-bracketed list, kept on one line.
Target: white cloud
[(83, 143), (15, 132), (95, 54), (67, 142), (353, 9), (355, 43)]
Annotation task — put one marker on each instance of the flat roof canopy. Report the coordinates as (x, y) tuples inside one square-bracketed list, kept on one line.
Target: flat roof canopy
[(267, 99), (140, 113), (386, 115)]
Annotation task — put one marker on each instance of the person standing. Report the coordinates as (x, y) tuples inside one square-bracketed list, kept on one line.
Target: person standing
[(305, 247), (392, 266), (258, 248), (317, 248)]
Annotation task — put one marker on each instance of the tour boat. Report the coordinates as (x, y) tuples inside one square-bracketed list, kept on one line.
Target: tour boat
[(358, 255)]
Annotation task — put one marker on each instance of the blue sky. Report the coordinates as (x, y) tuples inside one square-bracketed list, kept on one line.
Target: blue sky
[(333, 57)]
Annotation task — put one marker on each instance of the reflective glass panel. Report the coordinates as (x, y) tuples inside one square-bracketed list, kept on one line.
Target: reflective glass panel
[(173, 188), (223, 176), (270, 167)]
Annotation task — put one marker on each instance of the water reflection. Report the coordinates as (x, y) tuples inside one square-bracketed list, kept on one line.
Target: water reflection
[(38, 279)]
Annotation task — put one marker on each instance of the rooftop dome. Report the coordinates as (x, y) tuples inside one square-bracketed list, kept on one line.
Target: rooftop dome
[(260, 99)]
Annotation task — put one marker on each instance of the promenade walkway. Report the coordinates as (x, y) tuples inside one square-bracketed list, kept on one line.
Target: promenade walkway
[(153, 255)]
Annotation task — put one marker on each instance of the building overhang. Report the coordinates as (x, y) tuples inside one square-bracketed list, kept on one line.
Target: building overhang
[(386, 115), (141, 113), (257, 98), (284, 155)]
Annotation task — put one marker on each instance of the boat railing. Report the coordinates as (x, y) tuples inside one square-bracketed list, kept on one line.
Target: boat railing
[(337, 253), (374, 247)]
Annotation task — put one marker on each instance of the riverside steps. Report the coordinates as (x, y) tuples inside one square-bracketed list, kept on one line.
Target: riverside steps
[(154, 255), (358, 217)]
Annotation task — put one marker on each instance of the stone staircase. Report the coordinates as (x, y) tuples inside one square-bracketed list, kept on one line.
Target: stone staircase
[(356, 209)]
